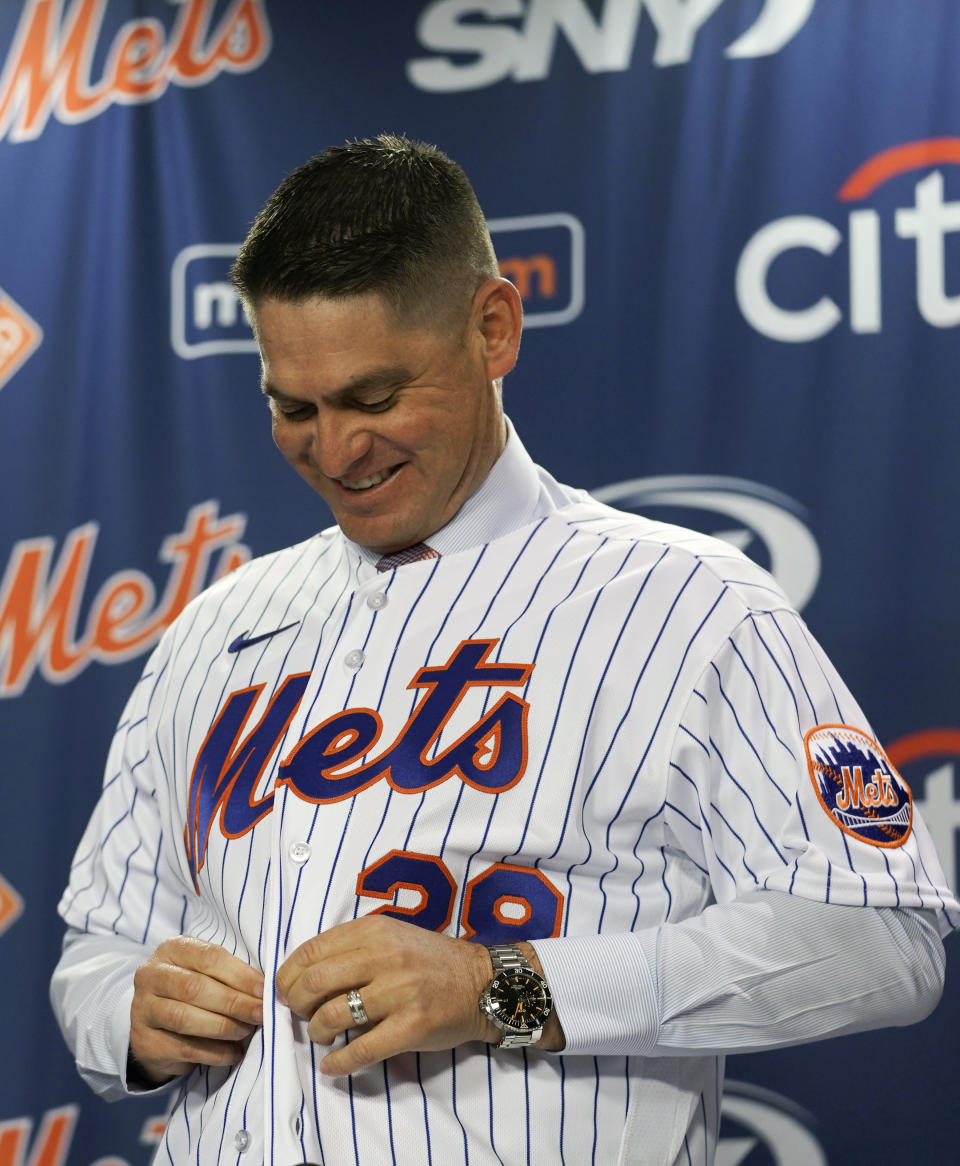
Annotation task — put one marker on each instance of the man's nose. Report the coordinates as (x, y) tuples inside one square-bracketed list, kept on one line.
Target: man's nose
[(340, 440)]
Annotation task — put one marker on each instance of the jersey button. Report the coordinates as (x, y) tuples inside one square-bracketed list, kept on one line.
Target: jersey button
[(241, 1139), (377, 600), (353, 659), (299, 852), (297, 1126)]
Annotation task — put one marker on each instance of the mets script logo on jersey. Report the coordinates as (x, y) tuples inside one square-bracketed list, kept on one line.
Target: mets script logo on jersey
[(327, 764), (924, 226), (857, 785), (48, 67)]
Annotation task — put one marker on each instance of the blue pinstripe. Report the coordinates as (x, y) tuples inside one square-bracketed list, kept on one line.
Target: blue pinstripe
[(760, 700), (753, 808), (745, 736)]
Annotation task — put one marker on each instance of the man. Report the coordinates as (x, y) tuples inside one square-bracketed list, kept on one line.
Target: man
[(380, 796)]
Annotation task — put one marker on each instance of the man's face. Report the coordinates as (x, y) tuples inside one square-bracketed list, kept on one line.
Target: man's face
[(393, 427)]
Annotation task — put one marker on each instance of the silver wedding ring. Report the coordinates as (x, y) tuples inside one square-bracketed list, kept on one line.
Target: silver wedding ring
[(357, 1009)]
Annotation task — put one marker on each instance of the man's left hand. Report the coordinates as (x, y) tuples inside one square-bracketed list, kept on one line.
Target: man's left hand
[(420, 990)]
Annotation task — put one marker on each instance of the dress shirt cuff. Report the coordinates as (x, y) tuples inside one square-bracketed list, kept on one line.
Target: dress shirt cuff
[(604, 992), (91, 992)]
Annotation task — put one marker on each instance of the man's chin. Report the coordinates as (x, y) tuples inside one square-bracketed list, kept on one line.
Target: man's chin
[(380, 538)]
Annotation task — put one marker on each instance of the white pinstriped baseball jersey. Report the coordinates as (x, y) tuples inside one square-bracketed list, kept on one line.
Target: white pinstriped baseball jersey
[(587, 725)]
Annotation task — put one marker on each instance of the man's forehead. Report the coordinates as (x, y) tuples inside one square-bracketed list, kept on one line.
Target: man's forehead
[(378, 377)]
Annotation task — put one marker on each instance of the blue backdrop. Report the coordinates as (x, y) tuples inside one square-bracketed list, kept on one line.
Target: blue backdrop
[(736, 228)]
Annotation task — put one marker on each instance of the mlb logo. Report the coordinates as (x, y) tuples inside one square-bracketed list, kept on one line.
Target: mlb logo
[(20, 337), (206, 316), (543, 255)]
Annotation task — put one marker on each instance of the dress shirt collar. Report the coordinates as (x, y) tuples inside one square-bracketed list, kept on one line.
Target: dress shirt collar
[(505, 500)]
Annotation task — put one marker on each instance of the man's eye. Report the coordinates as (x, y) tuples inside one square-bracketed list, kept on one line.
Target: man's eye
[(293, 412), (377, 405)]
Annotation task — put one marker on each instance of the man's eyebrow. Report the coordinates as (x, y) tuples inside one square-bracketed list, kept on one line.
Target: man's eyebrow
[(378, 378)]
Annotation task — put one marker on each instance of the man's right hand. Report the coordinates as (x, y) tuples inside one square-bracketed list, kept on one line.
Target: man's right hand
[(193, 1004)]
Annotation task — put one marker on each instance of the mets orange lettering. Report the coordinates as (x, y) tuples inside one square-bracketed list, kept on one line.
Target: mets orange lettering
[(859, 795), (40, 601), (48, 67), (51, 1144)]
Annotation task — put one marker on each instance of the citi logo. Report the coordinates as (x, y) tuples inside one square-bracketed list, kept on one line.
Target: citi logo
[(19, 337), (926, 222), (544, 255), (498, 50), (930, 761)]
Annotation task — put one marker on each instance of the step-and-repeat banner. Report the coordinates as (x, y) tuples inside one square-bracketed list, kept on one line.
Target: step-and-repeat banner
[(735, 225)]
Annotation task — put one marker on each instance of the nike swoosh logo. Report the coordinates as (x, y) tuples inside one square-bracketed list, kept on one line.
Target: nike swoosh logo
[(242, 642)]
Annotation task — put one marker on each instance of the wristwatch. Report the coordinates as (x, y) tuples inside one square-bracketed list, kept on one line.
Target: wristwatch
[(517, 999)]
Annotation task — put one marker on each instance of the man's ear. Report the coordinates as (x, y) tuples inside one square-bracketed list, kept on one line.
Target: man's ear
[(499, 315)]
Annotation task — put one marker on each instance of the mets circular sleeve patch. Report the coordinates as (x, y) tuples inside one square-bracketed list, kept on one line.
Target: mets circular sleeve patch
[(857, 786)]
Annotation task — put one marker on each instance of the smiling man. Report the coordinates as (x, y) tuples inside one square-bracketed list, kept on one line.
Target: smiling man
[(481, 825), (394, 427)]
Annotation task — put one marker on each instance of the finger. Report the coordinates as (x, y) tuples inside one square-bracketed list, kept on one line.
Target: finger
[(178, 1016), (211, 960), (336, 1016), (176, 989), (363, 938), (376, 1044), (313, 985), (165, 1054)]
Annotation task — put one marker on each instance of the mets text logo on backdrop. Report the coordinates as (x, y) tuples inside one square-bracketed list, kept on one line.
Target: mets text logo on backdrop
[(769, 526), (927, 222), (544, 255), (51, 1145), (19, 337), (48, 65), (930, 761), (40, 601), (498, 50)]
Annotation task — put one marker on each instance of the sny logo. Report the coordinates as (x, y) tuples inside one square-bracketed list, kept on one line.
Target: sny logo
[(490, 756), (498, 50)]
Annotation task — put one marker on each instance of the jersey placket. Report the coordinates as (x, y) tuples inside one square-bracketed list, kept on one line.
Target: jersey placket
[(305, 852)]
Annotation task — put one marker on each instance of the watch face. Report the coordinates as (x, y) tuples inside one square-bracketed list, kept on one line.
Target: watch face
[(519, 1000)]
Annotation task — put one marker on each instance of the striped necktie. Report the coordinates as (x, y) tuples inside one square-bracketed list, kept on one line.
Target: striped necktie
[(408, 555)]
